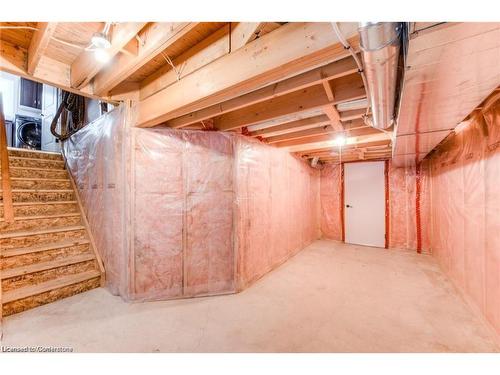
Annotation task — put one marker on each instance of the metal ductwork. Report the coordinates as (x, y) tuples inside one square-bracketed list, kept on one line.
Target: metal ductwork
[(380, 44)]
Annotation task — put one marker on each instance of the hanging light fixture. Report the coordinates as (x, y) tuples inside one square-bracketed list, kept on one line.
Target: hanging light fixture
[(340, 140), (100, 42)]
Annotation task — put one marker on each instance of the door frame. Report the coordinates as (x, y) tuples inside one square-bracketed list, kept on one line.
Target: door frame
[(387, 197)]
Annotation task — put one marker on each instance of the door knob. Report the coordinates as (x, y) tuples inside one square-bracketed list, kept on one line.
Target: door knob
[(348, 206)]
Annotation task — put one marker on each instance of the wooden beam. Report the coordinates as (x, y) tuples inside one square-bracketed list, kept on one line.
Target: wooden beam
[(203, 53), (243, 33), (337, 69), (154, 38), (85, 67), (328, 90), (285, 52), (293, 103), (292, 126), (328, 141), (39, 43), (14, 60), (355, 128), (334, 116)]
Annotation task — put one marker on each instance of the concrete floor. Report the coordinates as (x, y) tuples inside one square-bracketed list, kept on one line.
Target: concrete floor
[(330, 297)]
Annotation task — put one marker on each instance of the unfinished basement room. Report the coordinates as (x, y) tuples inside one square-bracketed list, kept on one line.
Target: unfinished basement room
[(250, 187)]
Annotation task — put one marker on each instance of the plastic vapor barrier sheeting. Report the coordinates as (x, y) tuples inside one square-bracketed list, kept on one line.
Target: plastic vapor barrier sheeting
[(189, 213), (465, 211)]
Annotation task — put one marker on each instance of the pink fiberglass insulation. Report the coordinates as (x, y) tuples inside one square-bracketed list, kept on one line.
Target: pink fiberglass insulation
[(465, 207), (277, 207), (331, 221), (189, 213), (96, 160), (183, 214)]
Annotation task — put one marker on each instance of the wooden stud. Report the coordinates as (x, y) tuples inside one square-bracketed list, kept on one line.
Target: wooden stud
[(262, 61), (85, 67), (39, 43)]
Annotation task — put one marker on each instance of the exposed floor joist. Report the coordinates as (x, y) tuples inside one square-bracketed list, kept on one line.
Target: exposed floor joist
[(308, 45), (39, 43)]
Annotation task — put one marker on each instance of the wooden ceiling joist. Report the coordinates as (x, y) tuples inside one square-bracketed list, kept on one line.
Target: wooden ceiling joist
[(328, 142), (243, 33), (293, 126), (337, 69), (39, 43), (85, 67), (334, 116), (152, 40), (261, 61), (203, 53), (354, 128)]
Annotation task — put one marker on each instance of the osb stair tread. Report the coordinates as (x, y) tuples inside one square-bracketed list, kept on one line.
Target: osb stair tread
[(40, 203), (39, 248), (16, 294), (38, 179), (43, 266), (41, 190), (39, 217), (35, 159), (34, 151), (43, 231), (35, 169)]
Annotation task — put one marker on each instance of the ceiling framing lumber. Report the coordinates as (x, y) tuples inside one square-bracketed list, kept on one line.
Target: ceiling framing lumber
[(203, 53), (261, 61), (243, 33), (353, 128), (293, 103), (289, 127), (337, 69), (328, 141), (334, 116), (153, 39), (86, 67), (39, 43)]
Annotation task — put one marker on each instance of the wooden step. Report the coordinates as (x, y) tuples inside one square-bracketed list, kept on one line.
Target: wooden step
[(22, 152), (37, 289), (40, 222), (15, 161), (7, 253), (23, 195), (37, 172), (40, 237), (38, 232), (43, 266), (42, 208), (39, 183)]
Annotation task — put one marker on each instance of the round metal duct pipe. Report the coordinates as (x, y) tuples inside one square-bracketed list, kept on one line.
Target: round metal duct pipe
[(380, 43)]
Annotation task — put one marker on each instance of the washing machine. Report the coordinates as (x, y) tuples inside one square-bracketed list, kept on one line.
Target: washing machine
[(27, 132)]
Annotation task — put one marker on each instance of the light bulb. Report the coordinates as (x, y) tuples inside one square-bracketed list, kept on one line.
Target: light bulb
[(102, 55), (340, 140), (100, 40)]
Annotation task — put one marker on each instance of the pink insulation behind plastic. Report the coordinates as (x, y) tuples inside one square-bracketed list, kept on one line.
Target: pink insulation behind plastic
[(465, 211), (96, 158), (277, 205), (331, 220), (190, 213)]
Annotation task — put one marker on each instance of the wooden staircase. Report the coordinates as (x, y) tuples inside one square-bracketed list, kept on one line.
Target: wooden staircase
[(46, 252)]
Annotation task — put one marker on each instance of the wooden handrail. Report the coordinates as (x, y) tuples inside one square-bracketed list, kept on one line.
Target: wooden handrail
[(8, 208)]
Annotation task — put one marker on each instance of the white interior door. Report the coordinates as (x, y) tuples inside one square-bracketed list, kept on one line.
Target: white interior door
[(49, 108), (364, 198)]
